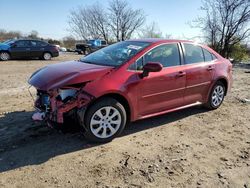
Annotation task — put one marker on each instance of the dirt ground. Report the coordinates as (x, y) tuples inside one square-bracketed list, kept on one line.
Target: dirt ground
[(189, 148)]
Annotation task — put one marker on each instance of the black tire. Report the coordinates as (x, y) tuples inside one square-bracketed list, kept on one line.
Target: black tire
[(47, 56), (4, 56), (88, 51), (101, 105), (210, 104)]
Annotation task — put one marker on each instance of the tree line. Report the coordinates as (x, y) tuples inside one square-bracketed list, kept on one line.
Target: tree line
[(7, 35), (225, 26)]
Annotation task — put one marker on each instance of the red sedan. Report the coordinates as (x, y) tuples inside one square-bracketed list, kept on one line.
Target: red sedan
[(130, 80)]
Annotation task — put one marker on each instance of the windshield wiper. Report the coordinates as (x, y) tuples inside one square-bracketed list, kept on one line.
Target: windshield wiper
[(84, 61)]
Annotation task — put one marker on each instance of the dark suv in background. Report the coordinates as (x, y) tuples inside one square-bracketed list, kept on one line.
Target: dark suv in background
[(26, 48)]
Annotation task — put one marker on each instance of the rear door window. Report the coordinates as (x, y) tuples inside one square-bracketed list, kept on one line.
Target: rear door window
[(38, 43), (193, 54), (33, 43), (41, 44)]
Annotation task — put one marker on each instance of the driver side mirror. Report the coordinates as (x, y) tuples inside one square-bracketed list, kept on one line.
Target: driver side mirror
[(151, 67)]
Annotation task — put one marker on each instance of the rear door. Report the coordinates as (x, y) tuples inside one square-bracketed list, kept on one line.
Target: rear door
[(199, 72), (20, 49), (37, 48)]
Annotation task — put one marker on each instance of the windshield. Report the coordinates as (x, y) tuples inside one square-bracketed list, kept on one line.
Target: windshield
[(115, 54), (9, 41)]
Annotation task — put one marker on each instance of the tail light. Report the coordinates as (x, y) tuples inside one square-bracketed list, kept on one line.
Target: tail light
[(55, 48)]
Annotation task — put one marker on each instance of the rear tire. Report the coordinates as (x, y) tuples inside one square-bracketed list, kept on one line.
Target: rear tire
[(4, 56), (47, 56), (104, 120), (216, 96)]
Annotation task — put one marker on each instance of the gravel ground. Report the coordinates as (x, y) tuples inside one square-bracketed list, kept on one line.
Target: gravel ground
[(189, 148)]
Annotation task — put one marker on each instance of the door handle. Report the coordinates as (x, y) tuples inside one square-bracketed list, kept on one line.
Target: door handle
[(181, 74), (210, 68)]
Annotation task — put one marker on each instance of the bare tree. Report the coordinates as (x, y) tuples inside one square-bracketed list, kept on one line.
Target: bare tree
[(33, 34), (124, 20), (118, 22), (89, 22), (100, 21), (225, 24), (151, 31), (5, 35), (69, 41)]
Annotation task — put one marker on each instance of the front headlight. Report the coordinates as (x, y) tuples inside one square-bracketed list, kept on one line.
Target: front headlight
[(64, 93)]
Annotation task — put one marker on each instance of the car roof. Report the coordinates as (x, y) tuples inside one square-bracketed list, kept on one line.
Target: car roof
[(30, 39), (159, 40)]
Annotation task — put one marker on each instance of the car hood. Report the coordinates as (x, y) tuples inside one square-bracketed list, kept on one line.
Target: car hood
[(4, 46), (66, 73)]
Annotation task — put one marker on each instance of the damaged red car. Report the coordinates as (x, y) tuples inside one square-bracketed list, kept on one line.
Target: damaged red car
[(128, 81)]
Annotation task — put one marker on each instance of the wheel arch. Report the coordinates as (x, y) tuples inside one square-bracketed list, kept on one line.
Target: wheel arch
[(5, 51), (219, 79), (120, 98), (47, 52), (224, 81)]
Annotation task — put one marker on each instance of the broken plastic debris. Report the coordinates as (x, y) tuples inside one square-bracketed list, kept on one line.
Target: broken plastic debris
[(245, 100), (38, 116)]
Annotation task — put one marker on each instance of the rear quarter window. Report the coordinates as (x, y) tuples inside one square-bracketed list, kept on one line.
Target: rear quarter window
[(207, 55), (214, 57)]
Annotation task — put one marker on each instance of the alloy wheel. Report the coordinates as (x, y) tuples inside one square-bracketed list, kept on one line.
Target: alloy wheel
[(4, 56), (218, 95), (105, 122), (47, 56)]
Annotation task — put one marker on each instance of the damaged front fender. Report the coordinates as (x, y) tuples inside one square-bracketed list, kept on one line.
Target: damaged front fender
[(57, 107)]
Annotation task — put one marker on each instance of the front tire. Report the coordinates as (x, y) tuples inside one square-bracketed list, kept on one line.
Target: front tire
[(216, 96), (105, 120), (4, 56)]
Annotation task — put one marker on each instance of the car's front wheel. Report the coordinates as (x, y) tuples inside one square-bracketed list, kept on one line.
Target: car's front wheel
[(104, 120), (216, 96), (47, 56), (4, 56)]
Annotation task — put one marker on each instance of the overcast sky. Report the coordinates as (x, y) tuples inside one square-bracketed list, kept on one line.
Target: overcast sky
[(50, 17)]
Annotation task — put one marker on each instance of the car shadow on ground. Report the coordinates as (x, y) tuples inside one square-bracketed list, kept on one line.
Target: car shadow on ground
[(24, 142)]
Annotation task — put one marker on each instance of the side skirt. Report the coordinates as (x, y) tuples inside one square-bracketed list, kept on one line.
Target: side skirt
[(171, 110)]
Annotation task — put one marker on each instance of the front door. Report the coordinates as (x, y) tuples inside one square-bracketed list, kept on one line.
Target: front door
[(162, 90), (20, 49)]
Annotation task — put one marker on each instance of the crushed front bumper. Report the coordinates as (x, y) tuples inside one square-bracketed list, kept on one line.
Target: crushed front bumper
[(51, 108)]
